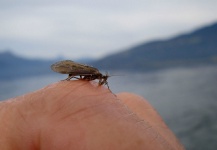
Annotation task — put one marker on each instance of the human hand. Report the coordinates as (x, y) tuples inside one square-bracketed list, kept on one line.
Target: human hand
[(82, 115)]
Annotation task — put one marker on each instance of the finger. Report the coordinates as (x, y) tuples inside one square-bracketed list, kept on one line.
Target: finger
[(144, 110), (59, 114)]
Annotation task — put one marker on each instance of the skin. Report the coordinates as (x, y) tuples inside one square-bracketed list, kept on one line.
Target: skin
[(80, 115)]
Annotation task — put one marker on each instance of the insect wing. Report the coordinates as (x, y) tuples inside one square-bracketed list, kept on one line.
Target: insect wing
[(73, 68)]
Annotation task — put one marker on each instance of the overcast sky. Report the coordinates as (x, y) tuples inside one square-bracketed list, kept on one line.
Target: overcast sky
[(95, 28)]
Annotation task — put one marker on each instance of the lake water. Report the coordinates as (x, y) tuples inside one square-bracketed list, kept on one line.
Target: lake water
[(185, 97)]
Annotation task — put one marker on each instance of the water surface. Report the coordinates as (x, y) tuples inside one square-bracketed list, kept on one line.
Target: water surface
[(186, 98)]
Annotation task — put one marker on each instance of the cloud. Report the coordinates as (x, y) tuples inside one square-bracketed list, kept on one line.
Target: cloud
[(95, 28)]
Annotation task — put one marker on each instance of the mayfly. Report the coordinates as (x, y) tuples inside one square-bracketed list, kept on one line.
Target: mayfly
[(74, 69)]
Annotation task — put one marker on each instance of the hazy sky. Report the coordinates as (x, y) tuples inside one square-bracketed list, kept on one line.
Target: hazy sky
[(81, 28)]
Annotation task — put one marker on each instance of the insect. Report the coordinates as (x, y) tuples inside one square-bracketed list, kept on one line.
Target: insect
[(85, 72)]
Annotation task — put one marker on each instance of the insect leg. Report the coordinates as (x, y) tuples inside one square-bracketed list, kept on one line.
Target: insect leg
[(100, 81), (104, 81), (69, 77)]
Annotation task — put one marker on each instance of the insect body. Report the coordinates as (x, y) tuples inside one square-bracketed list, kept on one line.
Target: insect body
[(76, 69)]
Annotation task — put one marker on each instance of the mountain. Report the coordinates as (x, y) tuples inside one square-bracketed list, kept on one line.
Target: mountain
[(13, 66), (195, 48)]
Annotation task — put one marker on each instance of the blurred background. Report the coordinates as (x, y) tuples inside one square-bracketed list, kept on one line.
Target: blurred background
[(165, 51)]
